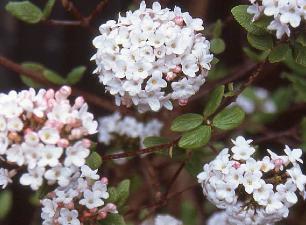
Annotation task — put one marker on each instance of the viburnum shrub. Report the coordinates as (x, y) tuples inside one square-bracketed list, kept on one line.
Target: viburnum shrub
[(141, 161)]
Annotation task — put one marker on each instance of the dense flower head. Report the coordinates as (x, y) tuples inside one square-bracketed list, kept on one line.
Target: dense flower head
[(253, 191), (45, 134), (285, 14), (162, 220), (218, 218), (81, 202), (152, 56)]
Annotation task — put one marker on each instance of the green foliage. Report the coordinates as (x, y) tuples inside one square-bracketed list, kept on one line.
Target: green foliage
[(299, 54), (94, 160), (119, 194), (229, 118), (188, 213), (186, 122), (195, 138), (75, 75), (113, 219), (245, 20), (25, 11), (256, 56), (279, 53), (260, 42), (154, 140), (214, 101), (48, 8), (6, 202), (301, 39), (298, 84), (217, 29), (217, 46)]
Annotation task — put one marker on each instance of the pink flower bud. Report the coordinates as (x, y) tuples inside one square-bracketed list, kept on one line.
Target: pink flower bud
[(104, 180), (28, 131), (236, 165), (70, 205), (179, 21), (79, 102), (177, 69), (170, 76), (111, 207), (93, 210), (86, 143), (102, 215), (65, 91), (63, 143), (183, 102), (49, 94), (76, 133)]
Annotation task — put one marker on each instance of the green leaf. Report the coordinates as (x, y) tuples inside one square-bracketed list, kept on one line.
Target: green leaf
[(48, 8), (25, 11), (75, 75), (299, 85), (188, 213), (257, 57), (94, 160), (6, 202), (53, 77), (217, 30), (279, 53), (229, 118), (214, 101), (261, 42), (186, 122), (154, 140), (113, 219), (300, 54), (195, 138), (245, 19), (113, 195), (217, 45), (35, 67), (301, 39), (123, 192)]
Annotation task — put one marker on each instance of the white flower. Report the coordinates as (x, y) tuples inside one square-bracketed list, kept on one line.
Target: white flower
[(91, 199), (288, 191), (297, 177), (6, 177), (166, 220), (49, 135), (34, 178), (139, 57), (76, 155), (68, 217), (59, 174), (273, 203), (294, 154), (87, 172), (50, 156), (251, 181), (15, 124), (242, 149), (262, 193)]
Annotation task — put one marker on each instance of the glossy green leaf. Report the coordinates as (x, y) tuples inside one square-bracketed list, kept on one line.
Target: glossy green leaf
[(217, 46), (35, 67), (195, 138), (214, 101), (260, 42), (48, 8), (154, 140), (186, 122), (94, 161), (229, 118), (25, 11), (76, 75), (53, 77), (279, 53)]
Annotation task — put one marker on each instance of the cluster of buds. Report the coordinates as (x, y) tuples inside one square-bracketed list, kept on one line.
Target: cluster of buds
[(81, 202), (152, 56), (253, 192), (45, 134)]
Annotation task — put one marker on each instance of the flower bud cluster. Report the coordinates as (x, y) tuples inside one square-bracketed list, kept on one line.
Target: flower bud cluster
[(81, 202), (285, 14), (45, 134), (253, 191), (152, 56)]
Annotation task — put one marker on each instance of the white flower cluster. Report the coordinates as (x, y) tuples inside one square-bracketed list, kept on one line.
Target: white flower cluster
[(253, 192), (219, 218), (81, 202), (45, 134), (151, 56), (285, 13), (256, 98), (114, 126), (162, 220)]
